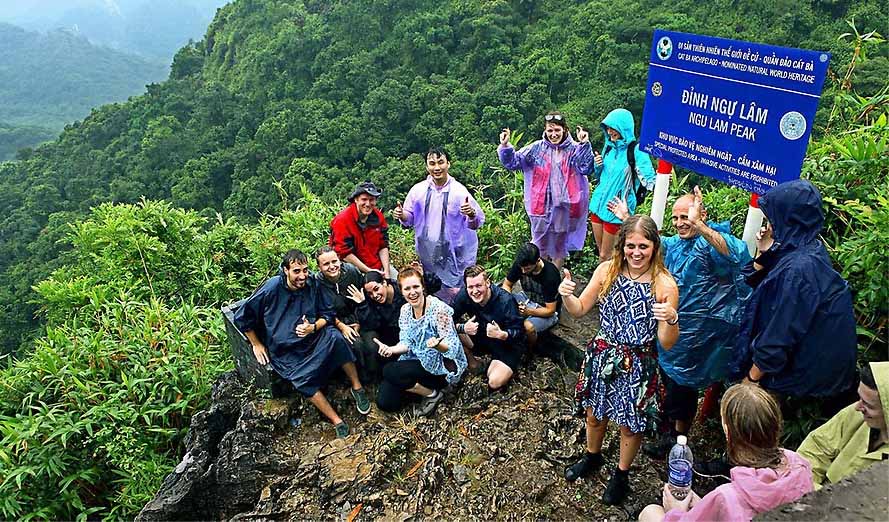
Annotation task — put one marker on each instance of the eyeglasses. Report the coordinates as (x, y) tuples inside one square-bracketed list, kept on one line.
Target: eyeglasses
[(554, 117)]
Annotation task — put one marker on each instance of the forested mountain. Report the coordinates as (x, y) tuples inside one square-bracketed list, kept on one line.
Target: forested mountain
[(286, 105), (49, 80), (155, 29)]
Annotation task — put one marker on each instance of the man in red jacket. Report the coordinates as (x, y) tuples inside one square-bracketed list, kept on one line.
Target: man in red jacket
[(359, 233)]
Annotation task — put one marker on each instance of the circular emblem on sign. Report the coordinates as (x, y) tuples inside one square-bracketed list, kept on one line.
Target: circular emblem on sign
[(792, 125), (823, 57), (657, 88), (664, 48)]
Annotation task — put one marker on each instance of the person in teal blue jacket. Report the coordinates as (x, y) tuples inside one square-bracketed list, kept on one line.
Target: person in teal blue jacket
[(612, 170)]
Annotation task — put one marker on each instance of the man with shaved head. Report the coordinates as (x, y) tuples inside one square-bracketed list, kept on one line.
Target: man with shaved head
[(706, 261)]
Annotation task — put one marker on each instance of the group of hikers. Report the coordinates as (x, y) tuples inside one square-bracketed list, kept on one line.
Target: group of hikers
[(677, 315)]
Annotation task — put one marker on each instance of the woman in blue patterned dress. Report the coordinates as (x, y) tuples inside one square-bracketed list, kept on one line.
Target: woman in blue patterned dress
[(637, 300), (431, 353)]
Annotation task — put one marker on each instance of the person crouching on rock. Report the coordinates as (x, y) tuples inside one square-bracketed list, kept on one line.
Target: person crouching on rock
[(637, 299), (431, 356), (493, 325), (291, 313), (765, 476)]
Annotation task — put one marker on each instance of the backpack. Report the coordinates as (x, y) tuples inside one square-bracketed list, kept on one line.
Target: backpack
[(640, 190)]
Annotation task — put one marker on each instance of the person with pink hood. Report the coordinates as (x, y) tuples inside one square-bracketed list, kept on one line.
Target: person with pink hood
[(765, 476)]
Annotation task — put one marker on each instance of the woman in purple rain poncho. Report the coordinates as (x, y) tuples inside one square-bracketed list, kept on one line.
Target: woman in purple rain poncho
[(557, 191)]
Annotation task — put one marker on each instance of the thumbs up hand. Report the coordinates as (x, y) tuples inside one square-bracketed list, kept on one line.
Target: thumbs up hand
[(567, 286), (398, 213), (305, 328), (470, 327), (383, 349), (663, 311), (466, 209), (494, 331), (597, 158)]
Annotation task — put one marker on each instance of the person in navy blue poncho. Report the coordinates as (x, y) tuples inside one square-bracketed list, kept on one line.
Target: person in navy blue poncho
[(493, 325), (286, 321), (798, 336)]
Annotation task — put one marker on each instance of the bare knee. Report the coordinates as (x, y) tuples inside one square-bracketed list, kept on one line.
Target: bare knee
[(652, 513), (529, 328)]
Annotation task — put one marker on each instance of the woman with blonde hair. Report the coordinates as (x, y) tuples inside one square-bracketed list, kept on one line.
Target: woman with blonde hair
[(637, 300), (765, 475)]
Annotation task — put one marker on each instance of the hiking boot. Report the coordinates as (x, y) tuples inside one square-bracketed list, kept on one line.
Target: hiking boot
[(362, 403), (661, 448), (427, 404), (617, 489), (718, 468), (342, 430), (584, 467)]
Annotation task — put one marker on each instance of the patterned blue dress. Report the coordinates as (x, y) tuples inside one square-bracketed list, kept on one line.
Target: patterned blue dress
[(619, 377)]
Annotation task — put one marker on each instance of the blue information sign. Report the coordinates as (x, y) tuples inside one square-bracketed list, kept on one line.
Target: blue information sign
[(735, 111)]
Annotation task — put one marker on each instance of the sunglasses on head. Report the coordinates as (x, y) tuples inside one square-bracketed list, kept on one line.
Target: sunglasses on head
[(554, 117)]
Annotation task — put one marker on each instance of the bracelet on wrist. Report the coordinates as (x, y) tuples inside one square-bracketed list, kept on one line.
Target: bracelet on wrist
[(675, 321), (751, 379)]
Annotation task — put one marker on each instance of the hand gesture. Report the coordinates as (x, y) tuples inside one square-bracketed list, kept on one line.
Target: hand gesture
[(662, 311), (567, 286), (764, 239), (433, 343), (350, 333), (582, 135), (261, 354), (305, 328), (398, 212), (670, 502), (494, 331), (383, 349), (355, 294), (466, 209), (597, 158), (523, 308), (618, 207), (470, 327), (696, 208), (504, 136)]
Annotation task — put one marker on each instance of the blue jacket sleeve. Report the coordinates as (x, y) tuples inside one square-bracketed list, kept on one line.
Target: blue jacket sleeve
[(645, 170), (250, 315), (783, 321), (513, 322), (324, 305)]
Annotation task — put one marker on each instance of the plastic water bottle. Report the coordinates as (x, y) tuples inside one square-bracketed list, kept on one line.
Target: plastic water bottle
[(679, 473)]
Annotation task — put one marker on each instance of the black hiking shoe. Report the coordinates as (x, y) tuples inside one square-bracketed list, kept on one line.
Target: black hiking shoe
[(661, 448), (719, 468), (617, 489), (584, 467)]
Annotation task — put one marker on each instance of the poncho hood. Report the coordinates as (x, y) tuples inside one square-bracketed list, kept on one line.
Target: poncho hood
[(794, 209), (622, 121), (766, 488), (881, 376)]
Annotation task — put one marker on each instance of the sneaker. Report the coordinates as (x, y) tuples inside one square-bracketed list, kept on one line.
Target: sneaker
[(427, 404), (617, 489), (584, 467), (661, 448), (342, 430), (718, 468), (362, 403)]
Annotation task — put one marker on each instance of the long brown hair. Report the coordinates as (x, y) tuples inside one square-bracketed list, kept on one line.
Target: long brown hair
[(753, 426), (646, 226)]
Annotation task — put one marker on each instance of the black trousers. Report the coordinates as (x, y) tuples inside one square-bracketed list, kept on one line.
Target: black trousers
[(370, 362), (680, 402), (399, 376)]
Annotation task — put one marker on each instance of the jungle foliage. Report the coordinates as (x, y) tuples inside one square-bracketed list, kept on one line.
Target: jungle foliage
[(126, 234)]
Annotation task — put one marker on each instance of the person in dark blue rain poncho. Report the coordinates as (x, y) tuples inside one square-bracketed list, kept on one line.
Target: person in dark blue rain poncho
[(798, 337), (286, 321), (706, 260)]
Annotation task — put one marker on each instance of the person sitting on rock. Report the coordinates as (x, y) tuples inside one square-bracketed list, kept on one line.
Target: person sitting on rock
[(539, 300), (765, 476), (285, 321), (430, 355), (856, 437), (378, 305), (493, 326)]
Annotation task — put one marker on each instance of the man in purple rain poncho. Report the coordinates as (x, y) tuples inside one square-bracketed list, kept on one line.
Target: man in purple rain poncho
[(445, 217), (557, 191)]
